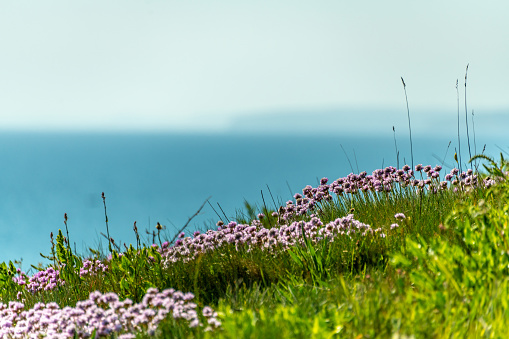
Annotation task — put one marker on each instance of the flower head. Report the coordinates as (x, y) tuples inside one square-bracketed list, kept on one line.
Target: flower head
[(400, 216)]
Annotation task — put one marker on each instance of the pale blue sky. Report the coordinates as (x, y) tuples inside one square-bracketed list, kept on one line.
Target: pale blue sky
[(210, 65)]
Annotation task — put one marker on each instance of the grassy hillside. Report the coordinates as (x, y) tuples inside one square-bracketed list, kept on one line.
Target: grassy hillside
[(414, 253)]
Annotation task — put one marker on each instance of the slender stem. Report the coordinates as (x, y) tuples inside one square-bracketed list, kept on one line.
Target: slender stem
[(223, 212), (106, 219), (446, 151), (347, 158), (289, 188), (189, 220), (475, 144), (466, 114), (273, 201), (409, 127), (396, 146), (266, 210), (214, 210), (135, 229), (459, 139), (67, 231), (356, 163)]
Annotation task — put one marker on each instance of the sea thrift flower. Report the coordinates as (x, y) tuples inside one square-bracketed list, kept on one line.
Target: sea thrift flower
[(103, 314), (400, 216), (249, 237), (41, 281), (298, 216), (92, 267)]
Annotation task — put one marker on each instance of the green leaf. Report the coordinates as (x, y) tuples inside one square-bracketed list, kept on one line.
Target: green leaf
[(61, 251), (124, 284), (298, 260)]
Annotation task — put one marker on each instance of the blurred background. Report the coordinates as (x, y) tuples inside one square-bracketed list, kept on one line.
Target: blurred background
[(162, 104)]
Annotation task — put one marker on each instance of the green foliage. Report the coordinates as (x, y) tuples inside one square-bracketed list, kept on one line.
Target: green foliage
[(458, 281), (496, 170), (282, 322), (444, 272), (312, 262), (134, 271), (69, 264), (8, 287), (250, 212)]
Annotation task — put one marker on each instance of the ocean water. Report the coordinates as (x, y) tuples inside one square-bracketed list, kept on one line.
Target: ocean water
[(150, 178)]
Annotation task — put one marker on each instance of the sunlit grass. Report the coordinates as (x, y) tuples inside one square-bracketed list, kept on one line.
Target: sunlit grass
[(392, 254)]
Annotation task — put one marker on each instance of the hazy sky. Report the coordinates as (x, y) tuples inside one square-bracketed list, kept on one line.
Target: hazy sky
[(207, 65)]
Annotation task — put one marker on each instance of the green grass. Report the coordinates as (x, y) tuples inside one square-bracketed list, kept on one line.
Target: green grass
[(444, 273)]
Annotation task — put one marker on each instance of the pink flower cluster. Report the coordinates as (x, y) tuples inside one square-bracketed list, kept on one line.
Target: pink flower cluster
[(103, 313), (380, 181), (249, 237), (49, 278), (91, 267), (41, 281), (254, 235)]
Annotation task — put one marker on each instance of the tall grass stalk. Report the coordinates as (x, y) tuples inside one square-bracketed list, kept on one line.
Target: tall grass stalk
[(106, 221), (396, 147), (446, 151), (347, 158), (67, 232), (466, 115), (409, 126), (189, 220), (265, 209), (272, 197), (224, 214), (459, 139), (218, 216), (356, 162), (476, 165)]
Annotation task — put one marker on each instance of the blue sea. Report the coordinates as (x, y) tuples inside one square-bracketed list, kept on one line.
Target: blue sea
[(150, 178)]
